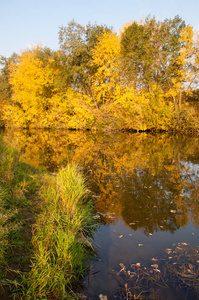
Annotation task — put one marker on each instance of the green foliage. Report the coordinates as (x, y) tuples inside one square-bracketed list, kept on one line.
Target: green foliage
[(5, 86), (76, 42), (150, 51)]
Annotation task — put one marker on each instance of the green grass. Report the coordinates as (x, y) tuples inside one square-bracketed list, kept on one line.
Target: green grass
[(45, 224), (61, 239), (17, 182)]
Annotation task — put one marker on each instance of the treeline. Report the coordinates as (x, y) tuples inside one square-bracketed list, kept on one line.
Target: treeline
[(139, 79)]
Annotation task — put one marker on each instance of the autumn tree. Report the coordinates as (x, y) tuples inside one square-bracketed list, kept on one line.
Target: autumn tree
[(37, 98), (76, 42), (121, 103), (32, 86), (106, 59)]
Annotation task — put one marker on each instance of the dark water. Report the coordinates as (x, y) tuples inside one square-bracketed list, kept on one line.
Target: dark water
[(146, 193)]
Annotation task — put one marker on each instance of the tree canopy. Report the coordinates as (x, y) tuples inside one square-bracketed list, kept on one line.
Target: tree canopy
[(135, 80)]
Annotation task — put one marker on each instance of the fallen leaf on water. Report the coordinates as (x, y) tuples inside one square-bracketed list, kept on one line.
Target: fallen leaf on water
[(156, 270), (155, 266), (140, 245), (154, 259), (169, 250), (138, 265), (120, 236)]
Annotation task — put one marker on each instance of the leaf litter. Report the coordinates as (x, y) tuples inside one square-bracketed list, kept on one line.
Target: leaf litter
[(177, 267)]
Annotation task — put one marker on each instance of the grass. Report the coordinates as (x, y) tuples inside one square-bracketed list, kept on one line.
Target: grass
[(45, 225), (61, 237), (17, 182)]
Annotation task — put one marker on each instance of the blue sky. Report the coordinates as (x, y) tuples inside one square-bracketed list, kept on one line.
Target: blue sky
[(26, 22)]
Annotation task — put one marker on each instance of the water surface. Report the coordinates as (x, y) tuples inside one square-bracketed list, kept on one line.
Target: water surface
[(145, 188)]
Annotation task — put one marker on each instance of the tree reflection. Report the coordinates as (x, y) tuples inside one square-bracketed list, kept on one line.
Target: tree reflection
[(148, 181)]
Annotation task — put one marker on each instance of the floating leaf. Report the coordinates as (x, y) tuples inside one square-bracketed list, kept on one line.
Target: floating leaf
[(138, 265), (155, 266), (156, 270), (168, 251), (154, 259), (120, 236)]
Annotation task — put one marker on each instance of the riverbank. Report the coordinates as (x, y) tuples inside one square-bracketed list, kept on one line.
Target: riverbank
[(44, 229), (106, 120)]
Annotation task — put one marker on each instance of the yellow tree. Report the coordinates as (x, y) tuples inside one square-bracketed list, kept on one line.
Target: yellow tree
[(120, 105), (105, 56), (33, 87), (38, 100)]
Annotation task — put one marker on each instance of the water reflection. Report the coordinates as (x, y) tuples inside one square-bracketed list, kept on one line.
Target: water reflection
[(145, 188), (150, 182)]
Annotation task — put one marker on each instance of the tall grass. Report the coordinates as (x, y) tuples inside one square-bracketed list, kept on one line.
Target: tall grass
[(61, 237)]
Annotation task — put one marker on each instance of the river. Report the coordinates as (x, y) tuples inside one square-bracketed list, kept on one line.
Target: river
[(145, 190)]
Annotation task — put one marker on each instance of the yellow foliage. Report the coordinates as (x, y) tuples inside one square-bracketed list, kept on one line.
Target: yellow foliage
[(37, 101), (105, 56)]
